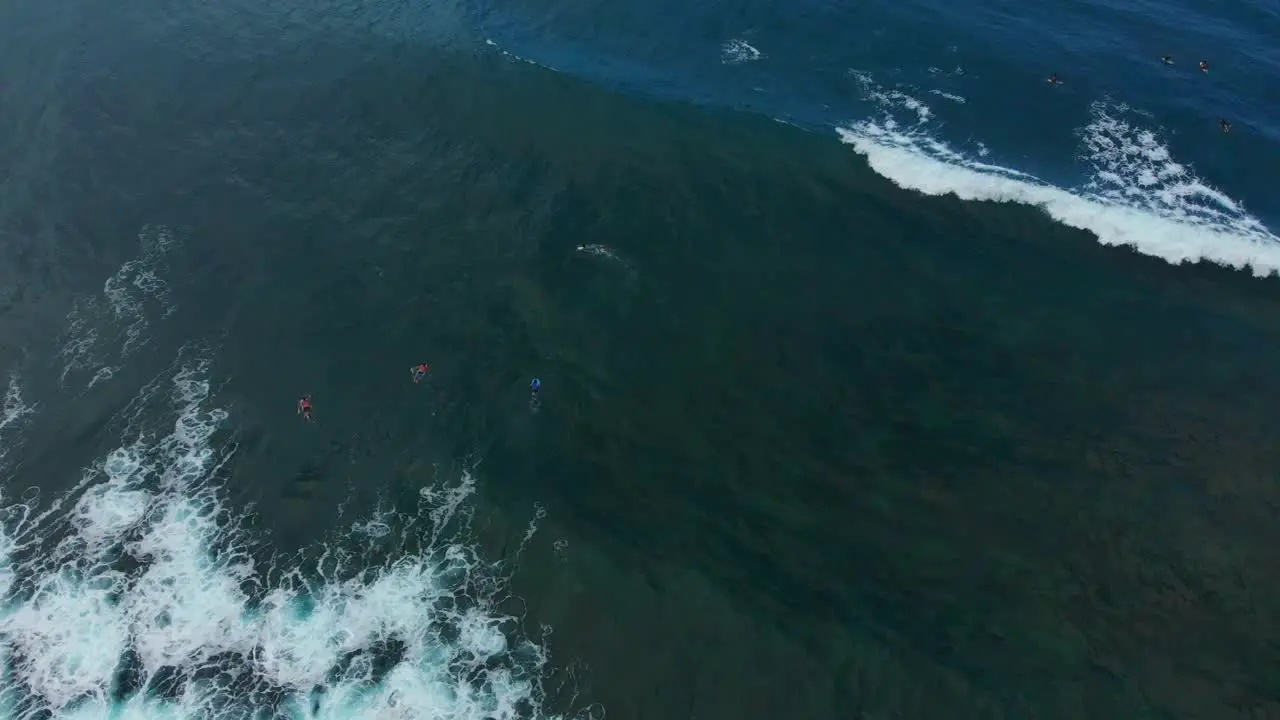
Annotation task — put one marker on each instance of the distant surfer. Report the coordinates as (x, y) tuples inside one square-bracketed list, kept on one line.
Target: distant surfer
[(304, 407), (419, 372), (1226, 126), (1054, 80), (534, 386), (1204, 66), (1167, 59)]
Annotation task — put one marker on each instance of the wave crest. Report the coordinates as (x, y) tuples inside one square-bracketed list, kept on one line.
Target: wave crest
[(1136, 194)]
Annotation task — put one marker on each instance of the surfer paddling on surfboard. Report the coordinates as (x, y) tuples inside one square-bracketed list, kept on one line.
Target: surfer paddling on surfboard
[(419, 371), (534, 386)]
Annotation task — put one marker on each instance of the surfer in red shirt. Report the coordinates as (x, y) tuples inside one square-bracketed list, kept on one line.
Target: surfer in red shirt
[(304, 407)]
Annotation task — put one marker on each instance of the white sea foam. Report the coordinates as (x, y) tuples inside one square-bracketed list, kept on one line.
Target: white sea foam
[(1137, 194), (144, 598), (115, 323), (14, 414), (738, 51)]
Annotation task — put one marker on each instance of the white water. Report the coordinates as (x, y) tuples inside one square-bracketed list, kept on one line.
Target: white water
[(137, 595), (738, 51), (1137, 194)]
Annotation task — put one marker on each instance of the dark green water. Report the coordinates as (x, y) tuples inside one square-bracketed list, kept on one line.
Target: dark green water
[(816, 447)]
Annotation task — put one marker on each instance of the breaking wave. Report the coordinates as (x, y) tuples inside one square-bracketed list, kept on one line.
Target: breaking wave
[(140, 594), (1136, 194)]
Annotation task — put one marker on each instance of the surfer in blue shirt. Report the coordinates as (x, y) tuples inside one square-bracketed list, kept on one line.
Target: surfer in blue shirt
[(535, 385)]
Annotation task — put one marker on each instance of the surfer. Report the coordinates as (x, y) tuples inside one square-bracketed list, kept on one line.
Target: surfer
[(1053, 79), (304, 407), (1204, 66), (535, 385), (420, 372), (1167, 59), (1226, 126)]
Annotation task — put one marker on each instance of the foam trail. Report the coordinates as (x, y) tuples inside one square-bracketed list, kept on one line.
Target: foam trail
[(119, 314), (599, 250), (1136, 194), (14, 414), (519, 58), (948, 96), (145, 599), (607, 253)]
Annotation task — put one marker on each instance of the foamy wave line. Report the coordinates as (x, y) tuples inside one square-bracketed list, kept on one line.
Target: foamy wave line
[(1137, 194), (144, 600)]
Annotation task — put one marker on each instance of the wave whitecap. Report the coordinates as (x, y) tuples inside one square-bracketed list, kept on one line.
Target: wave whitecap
[(738, 51), (1136, 194)]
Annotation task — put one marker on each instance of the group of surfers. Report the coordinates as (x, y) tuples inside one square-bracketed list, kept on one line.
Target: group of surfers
[(1167, 60)]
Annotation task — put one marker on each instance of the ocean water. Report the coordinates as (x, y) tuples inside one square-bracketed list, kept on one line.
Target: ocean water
[(881, 377)]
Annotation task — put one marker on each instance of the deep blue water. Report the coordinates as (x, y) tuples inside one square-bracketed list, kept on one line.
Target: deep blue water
[(980, 71), (851, 407)]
